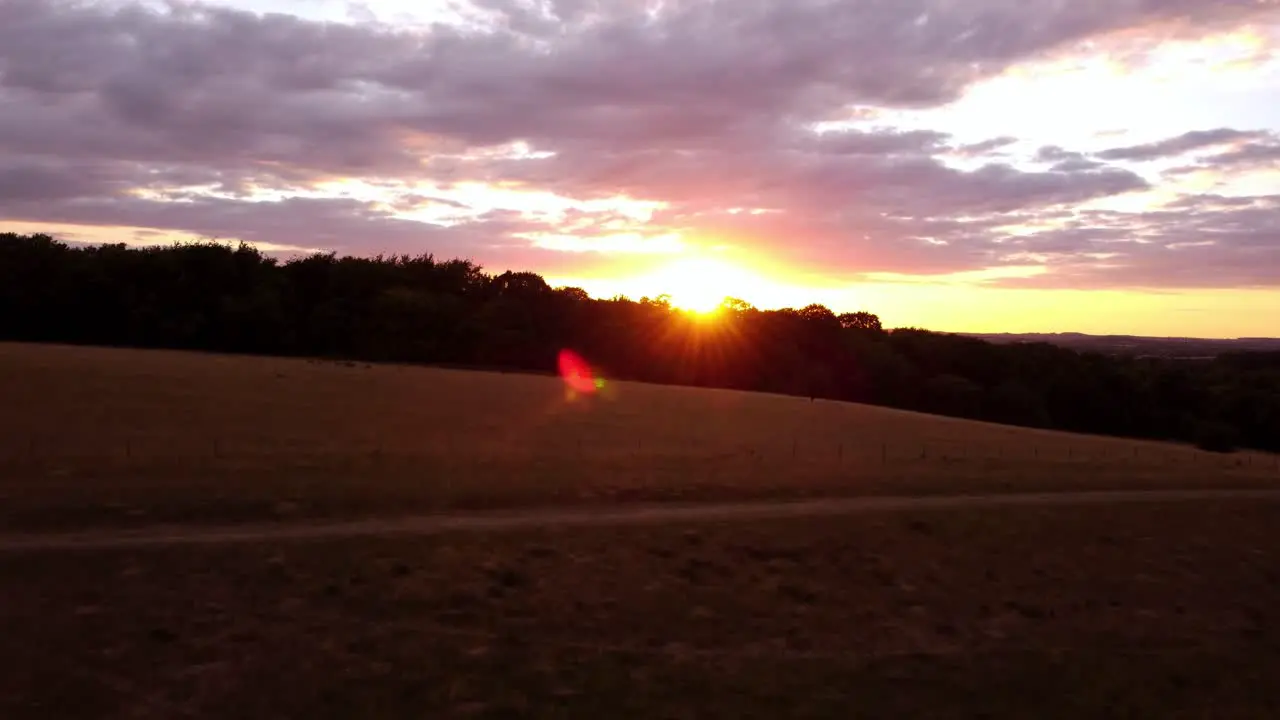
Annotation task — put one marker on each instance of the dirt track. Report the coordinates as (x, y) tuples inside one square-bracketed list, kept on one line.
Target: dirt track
[(608, 516)]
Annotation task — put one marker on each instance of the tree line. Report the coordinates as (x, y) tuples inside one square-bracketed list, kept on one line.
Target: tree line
[(208, 296)]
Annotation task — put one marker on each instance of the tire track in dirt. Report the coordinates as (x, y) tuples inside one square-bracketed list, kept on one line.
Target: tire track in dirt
[(611, 516)]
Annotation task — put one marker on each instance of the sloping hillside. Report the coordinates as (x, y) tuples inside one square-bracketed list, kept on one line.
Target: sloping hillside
[(95, 435)]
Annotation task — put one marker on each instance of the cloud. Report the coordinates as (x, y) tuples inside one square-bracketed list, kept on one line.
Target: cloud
[(1258, 153), (26, 179), (1195, 241), (180, 117), (1066, 161), (1054, 154), (1180, 145), (985, 147), (198, 79), (882, 142), (1220, 150)]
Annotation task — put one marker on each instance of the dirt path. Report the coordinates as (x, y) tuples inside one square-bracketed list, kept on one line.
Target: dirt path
[(580, 517)]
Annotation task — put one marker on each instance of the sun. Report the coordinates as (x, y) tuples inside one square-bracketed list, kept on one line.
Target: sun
[(700, 285)]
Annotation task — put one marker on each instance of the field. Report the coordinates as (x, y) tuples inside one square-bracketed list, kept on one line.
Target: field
[(1105, 609), (1165, 611), (94, 436)]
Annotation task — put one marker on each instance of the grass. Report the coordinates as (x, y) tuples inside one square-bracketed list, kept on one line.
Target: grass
[(93, 436), (1152, 611), (1087, 611)]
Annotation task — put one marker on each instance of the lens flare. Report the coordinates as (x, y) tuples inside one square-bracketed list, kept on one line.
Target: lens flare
[(577, 374)]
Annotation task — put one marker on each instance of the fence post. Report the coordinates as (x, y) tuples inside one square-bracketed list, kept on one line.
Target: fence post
[(793, 448), (840, 452), (884, 453)]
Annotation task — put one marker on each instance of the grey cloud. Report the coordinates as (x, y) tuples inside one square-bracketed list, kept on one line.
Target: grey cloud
[(217, 80), (1066, 161), (1256, 153), (924, 187), (1204, 241), (1053, 154), (341, 225), (1211, 201), (891, 172), (337, 224), (985, 147), (1180, 145), (25, 180), (883, 142), (414, 201), (894, 215), (1075, 165), (1251, 150)]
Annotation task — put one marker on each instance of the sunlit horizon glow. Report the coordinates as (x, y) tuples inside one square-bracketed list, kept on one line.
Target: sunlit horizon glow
[(701, 284), (972, 167)]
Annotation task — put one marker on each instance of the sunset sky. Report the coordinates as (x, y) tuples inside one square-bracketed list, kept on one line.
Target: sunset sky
[(1104, 166)]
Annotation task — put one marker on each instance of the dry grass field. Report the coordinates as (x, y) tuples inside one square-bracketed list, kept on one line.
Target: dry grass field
[(1166, 611), (92, 436), (1135, 610)]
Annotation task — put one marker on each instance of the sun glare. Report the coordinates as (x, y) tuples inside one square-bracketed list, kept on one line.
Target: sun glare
[(700, 285)]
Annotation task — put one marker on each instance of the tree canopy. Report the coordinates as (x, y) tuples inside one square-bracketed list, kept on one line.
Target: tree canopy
[(207, 296)]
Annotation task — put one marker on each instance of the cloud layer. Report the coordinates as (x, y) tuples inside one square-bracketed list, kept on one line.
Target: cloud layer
[(226, 123)]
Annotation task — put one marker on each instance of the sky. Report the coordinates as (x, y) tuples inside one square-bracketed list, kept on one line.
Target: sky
[(1102, 166)]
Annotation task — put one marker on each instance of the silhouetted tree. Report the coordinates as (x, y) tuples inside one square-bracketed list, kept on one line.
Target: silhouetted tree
[(860, 320)]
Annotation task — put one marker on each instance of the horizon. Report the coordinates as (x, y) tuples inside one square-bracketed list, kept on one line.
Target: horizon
[(964, 167), (719, 305)]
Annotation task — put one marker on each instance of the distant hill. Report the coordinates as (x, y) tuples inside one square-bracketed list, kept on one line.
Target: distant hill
[(1135, 345)]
